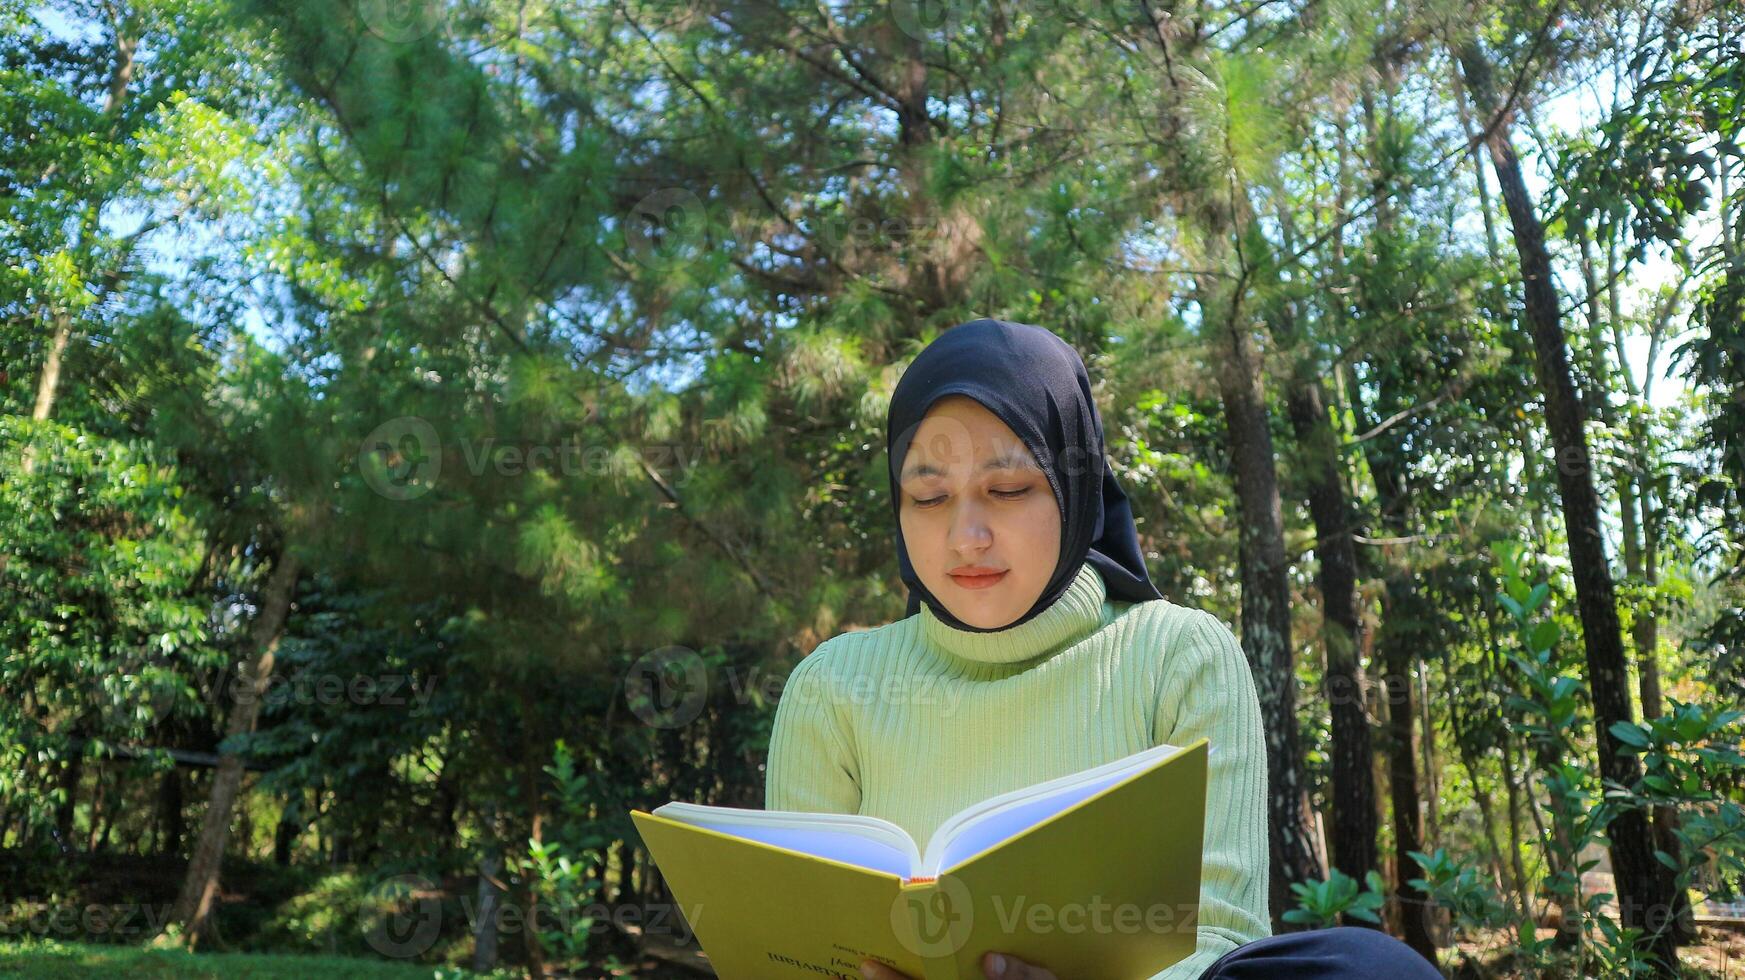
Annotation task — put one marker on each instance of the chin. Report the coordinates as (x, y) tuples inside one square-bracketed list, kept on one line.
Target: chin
[(982, 618)]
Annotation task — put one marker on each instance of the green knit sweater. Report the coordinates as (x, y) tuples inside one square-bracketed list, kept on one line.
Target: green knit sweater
[(915, 720)]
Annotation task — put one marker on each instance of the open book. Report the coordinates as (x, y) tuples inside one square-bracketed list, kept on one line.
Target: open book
[(1092, 874)]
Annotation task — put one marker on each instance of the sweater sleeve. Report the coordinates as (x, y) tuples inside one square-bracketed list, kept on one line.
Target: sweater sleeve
[(811, 764), (1207, 690)]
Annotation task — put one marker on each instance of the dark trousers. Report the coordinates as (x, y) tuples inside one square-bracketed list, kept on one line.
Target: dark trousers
[(1343, 953)]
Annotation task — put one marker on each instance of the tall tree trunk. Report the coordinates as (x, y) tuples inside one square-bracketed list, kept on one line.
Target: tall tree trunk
[(1432, 771), (1266, 615), (285, 834), (1354, 801), (532, 772), (1485, 209), (1511, 785), (1355, 773), (1469, 761), (120, 76), (490, 899), (1354, 804), (1635, 509), (1646, 632), (1218, 208), (94, 832), (1645, 635), (170, 824), (72, 769), (626, 871), (1401, 635), (193, 906), (1399, 639), (925, 274), (48, 382), (1643, 900)]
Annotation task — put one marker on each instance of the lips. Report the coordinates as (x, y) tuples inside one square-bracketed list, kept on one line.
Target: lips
[(978, 577)]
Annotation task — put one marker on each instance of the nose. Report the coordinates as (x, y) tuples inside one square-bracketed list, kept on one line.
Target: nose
[(970, 533)]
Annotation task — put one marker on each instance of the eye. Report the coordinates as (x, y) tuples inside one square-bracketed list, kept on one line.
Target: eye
[(1002, 494)]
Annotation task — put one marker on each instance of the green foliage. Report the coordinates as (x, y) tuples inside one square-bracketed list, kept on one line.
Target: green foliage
[(1692, 766), (1552, 713), (570, 886), (56, 960), (327, 916), (1470, 897), (97, 546), (1323, 903)]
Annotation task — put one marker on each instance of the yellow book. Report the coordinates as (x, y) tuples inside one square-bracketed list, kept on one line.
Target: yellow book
[(1094, 874)]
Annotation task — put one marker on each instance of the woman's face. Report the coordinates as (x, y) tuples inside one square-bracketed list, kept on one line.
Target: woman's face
[(975, 501)]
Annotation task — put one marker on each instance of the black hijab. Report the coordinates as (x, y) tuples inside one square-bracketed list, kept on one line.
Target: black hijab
[(1036, 384)]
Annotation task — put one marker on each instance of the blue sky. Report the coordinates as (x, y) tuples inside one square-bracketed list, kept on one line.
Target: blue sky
[(1579, 107)]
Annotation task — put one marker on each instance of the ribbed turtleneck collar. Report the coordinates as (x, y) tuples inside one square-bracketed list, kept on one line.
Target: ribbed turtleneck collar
[(1074, 615)]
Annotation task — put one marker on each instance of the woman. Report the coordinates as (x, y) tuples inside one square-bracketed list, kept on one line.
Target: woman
[(1034, 646)]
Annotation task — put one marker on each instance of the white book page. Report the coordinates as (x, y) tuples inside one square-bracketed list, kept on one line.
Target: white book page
[(863, 841), (980, 826)]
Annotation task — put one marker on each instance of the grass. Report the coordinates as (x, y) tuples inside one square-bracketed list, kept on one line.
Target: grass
[(54, 958)]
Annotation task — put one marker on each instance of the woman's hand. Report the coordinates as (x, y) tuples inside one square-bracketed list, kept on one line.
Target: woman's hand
[(995, 966)]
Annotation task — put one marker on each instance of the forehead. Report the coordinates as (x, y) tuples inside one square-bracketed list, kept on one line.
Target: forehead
[(959, 430)]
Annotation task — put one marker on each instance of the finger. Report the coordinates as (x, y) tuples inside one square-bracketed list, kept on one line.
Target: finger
[(1004, 966), (874, 970)]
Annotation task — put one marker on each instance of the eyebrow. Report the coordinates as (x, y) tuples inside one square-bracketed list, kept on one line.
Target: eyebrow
[(1009, 460)]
